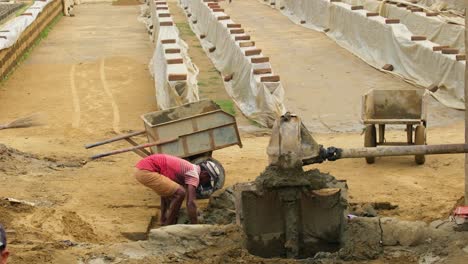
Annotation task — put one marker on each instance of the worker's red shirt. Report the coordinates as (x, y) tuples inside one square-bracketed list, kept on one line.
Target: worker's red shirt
[(174, 168)]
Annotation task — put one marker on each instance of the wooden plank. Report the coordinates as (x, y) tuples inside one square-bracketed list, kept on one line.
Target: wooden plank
[(170, 51)]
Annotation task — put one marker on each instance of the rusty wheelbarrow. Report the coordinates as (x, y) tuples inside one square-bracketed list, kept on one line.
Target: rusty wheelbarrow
[(394, 107)]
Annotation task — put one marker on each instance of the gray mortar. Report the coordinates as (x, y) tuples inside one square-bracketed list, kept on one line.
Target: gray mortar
[(281, 216)]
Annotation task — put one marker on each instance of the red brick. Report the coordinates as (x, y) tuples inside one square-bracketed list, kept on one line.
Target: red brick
[(417, 9), (388, 67), (246, 44), (177, 77), (439, 48), (245, 37), (418, 38), (253, 52), (358, 7), (167, 51), (261, 71), (168, 41), (260, 60), (273, 78), (175, 61), (167, 23), (237, 31), (228, 77), (450, 51), (392, 21), (460, 57)]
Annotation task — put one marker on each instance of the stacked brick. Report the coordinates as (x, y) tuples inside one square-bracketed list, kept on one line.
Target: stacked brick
[(10, 56), (175, 75), (248, 75)]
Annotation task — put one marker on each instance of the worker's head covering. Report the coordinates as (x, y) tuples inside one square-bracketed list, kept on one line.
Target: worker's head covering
[(205, 190), (3, 241), (212, 169)]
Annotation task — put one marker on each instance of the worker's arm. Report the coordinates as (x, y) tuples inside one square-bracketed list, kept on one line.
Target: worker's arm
[(163, 210), (174, 207), (191, 205)]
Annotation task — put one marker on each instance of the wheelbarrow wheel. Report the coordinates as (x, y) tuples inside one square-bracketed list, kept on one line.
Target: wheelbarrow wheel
[(420, 139), (222, 176), (370, 141)]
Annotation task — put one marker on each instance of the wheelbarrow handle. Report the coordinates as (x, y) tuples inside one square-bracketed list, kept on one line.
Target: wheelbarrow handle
[(147, 145), (92, 145)]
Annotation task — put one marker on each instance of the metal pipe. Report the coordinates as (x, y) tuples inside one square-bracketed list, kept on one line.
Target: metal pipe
[(401, 151), (466, 107), (147, 145), (92, 145)]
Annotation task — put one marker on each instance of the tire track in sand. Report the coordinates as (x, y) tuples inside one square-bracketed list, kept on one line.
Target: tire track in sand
[(115, 108), (75, 98)]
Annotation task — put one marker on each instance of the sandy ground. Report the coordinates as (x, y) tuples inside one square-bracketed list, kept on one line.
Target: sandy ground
[(90, 77)]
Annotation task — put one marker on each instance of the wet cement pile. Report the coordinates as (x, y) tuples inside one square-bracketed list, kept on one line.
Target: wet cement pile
[(274, 178), (15, 162)]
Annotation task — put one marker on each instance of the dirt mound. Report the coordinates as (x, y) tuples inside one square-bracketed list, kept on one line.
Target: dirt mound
[(76, 227), (221, 209), (15, 162), (8, 210)]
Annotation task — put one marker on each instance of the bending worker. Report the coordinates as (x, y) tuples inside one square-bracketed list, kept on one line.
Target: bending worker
[(3, 243), (173, 178)]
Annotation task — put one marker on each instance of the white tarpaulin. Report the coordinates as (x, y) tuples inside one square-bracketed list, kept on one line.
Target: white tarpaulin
[(174, 73), (378, 43), (12, 29), (259, 100)]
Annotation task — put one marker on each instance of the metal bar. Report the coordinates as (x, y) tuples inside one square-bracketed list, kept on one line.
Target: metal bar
[(140, 151), (92, 145), (381, 133), (466, 108), (392, 121), (187, 118), (402, 151), (147, 145), (409, 134)]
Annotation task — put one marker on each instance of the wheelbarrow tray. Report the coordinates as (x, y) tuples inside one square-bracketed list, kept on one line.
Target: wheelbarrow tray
[(185, 134), (394, 107)]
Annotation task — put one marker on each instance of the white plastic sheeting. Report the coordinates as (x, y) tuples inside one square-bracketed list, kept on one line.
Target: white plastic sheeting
[(259, 101), (12, 29), (378, 43), (171, 93)]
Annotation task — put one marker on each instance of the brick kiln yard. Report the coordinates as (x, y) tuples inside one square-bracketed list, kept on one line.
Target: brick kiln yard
[(90, 77)]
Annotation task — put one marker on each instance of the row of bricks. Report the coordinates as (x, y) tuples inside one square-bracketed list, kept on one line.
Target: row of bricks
[(444, 49), (171, 76), (236, 29)]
